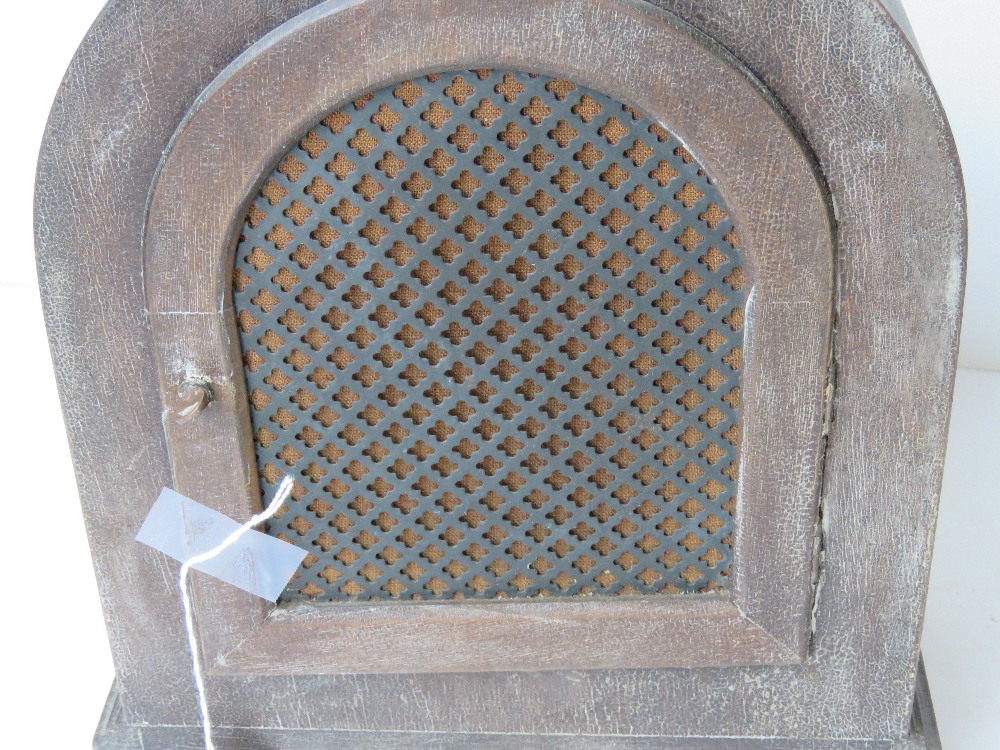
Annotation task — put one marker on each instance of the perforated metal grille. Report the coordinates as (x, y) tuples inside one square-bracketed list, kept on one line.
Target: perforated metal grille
[(492, 323)]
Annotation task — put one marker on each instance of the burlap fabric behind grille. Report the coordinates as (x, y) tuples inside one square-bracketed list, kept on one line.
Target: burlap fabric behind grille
[(492, 324)]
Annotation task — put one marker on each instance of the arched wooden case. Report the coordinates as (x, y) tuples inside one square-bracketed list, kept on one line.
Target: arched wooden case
[(610, 344)]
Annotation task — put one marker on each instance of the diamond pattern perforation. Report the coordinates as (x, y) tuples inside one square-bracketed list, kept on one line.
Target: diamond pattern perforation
[(492, 324)]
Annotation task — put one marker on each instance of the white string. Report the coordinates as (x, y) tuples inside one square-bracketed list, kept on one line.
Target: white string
[(199, 680)]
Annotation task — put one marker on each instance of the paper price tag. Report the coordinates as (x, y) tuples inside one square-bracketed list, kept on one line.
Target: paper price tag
[(183, 528)]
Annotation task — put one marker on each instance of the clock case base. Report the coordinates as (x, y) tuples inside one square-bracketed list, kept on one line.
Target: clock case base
[(114, 734)]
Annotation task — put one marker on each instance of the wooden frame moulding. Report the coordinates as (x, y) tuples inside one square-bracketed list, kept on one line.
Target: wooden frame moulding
[(739, 136)]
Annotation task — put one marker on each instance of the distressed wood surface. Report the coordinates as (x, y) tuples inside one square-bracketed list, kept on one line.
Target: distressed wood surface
[(785, 234), (112, 734), (861, 99)]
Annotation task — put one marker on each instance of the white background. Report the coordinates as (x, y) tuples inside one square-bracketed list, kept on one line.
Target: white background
[(56, 667)]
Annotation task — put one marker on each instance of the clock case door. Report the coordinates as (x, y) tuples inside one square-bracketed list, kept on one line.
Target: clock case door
[(785, 238)]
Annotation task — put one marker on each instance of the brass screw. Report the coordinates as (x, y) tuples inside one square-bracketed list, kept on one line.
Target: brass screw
[(192, 397)]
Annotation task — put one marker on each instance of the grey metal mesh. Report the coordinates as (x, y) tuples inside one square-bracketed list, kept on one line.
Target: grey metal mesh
[(492, 324)]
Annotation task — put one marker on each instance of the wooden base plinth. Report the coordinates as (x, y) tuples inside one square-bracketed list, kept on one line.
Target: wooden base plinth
[(114, 734)]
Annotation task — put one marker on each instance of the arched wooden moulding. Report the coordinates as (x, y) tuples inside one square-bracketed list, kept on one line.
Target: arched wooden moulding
[(737, 133)]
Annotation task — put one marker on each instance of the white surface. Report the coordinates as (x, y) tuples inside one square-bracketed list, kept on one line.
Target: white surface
[(961, 640), (57, 668), (958, 42)]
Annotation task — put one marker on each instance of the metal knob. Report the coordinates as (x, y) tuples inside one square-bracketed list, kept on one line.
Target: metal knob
[(192, 397)]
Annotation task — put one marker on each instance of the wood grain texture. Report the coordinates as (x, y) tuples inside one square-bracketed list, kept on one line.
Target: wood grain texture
[(122, 98), (112, 734), (862, 101), (786, 238)]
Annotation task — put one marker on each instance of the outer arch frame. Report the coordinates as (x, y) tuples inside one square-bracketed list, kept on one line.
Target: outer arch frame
[(135, 76)]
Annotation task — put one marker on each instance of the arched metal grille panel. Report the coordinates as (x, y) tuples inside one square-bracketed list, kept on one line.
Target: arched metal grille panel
[(492, 324)]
